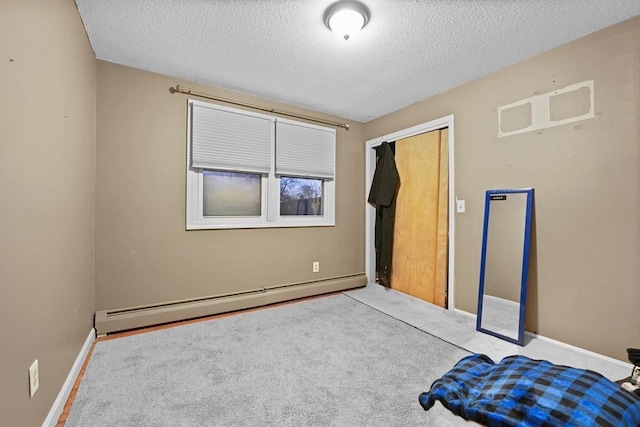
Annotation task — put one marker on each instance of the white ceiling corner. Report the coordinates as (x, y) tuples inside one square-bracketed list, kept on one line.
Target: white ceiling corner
[(281, 50)]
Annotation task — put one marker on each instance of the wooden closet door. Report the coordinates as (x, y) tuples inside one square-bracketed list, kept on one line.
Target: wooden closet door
[(419, 265)]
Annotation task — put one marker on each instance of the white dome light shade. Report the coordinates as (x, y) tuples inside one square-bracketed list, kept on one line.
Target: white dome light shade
[(346, 23), (346, 18)]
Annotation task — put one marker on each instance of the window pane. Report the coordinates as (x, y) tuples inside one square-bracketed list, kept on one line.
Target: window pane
[(231, 193), (300, 196)]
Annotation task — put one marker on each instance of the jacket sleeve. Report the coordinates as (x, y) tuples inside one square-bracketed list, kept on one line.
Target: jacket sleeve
[(385, 179)]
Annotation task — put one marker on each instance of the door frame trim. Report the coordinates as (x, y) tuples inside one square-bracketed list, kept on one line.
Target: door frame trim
[(370, 212)]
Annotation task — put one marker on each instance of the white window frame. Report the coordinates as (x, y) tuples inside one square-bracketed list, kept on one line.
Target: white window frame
[(270, 200)]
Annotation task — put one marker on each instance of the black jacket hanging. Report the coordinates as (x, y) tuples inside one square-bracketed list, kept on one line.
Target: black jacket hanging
[(383, 195)]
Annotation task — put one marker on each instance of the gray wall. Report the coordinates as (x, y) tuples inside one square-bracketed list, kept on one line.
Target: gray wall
[(47, 172)]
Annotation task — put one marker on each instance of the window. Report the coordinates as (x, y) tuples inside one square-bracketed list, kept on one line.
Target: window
[(300, 196), (250, 170), (231, 194)]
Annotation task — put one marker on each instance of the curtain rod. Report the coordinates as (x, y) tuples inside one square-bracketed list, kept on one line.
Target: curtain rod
[(180, 89)]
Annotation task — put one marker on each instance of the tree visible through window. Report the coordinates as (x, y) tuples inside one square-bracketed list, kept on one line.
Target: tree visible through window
[(300, 196)]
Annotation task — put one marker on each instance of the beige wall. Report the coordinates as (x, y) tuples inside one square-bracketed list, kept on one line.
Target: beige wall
[(143, 253), (47, 140), (585, 270), (584, 287)]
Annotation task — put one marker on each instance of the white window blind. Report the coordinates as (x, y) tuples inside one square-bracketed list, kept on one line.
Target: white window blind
[(230, 141), (304, 151)]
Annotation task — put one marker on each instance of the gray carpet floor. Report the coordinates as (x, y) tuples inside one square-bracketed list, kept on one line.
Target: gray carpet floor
[(331, 361)]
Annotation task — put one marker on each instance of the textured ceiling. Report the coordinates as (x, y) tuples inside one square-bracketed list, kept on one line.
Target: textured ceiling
[(281, 50)]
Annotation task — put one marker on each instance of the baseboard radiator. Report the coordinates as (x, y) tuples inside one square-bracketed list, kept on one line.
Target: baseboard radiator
[(109, 321)]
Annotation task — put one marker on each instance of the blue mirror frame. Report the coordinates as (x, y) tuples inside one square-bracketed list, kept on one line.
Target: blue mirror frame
[(525, 262)]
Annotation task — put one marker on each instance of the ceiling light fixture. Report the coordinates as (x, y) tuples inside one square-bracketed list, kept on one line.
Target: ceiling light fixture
[(346, 18)]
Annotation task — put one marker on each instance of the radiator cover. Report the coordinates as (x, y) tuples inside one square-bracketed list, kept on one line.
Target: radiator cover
[(109, 321)]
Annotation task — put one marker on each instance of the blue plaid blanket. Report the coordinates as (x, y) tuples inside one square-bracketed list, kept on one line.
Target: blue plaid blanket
[(520, 391)]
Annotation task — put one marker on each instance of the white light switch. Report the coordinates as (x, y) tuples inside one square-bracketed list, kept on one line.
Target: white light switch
[(460, 208)]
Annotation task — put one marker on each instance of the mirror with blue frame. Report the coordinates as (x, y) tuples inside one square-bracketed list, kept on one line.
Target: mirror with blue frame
[(504, 265)]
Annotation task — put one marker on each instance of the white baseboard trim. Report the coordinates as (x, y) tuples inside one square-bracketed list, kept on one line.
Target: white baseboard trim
[(464, 313), (565, 345), (581, 350), (65, 391)]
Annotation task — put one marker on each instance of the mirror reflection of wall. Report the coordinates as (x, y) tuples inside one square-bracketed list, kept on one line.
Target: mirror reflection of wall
[(504, 263), (505, 240)]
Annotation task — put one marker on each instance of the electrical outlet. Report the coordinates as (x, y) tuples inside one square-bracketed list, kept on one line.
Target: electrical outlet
[(316, 266), (34, 378)]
